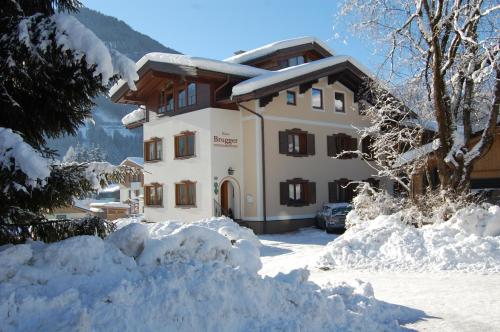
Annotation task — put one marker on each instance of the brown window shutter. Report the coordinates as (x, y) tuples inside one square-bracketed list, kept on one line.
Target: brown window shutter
[(353, 146), (283, 193), (333, 192), (330, 146), (311, 146), (339, 144), (312, 192), (283, 142)]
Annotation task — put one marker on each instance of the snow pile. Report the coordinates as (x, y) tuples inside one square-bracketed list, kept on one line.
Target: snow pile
[(192, 279), (14, 152), (469, 241), (134, 116), (222, 225)]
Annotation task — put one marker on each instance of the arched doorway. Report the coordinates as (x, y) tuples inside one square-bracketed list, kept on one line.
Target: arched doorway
[(229, 199)]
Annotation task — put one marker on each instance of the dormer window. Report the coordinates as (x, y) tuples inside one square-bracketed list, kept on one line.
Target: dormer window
[(296, 60), (182, 98)]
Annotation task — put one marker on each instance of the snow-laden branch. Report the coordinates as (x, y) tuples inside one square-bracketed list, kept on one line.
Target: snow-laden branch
[(35, 33), (16, 154)]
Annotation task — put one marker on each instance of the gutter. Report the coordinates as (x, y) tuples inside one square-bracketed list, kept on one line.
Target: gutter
[(263, 162)]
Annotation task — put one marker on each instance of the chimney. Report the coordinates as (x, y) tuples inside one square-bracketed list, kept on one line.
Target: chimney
[(239, 52)]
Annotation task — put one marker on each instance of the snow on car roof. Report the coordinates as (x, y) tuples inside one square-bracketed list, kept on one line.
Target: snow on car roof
[(275, 46), (196, 62), (273, 77)]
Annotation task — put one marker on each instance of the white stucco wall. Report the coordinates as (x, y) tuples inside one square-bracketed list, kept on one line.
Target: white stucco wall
[(209, 161)]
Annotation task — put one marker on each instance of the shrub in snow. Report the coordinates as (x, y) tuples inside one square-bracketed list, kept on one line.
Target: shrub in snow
[(54, 230), (468, 241), (192, 279)]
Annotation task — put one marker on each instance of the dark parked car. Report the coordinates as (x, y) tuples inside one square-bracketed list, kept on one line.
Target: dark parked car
[(332, 217)]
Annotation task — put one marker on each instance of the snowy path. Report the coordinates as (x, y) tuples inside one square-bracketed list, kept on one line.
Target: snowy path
[(453, 301)]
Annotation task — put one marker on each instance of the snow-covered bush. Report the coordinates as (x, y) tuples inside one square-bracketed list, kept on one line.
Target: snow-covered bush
[(433, 206), (468, 241), (192, 279), (54, 230)]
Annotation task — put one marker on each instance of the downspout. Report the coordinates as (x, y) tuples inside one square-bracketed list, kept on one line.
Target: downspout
[(263, 162)]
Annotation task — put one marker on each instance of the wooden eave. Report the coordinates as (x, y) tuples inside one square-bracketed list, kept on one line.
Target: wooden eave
[(345, 72), (289, 51), (153, 73)]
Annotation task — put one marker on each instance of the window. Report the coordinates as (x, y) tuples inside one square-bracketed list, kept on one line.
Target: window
[(291, 98), (339, 143), (153, 195), (297, 192), (191, 96), (296, 60), (161, 102), (153, 149), (137, 193), (296, 142), (185, 194), (184, 145), (317, 98), (339, 102), (170, 103), (182, 98), (340, 191)]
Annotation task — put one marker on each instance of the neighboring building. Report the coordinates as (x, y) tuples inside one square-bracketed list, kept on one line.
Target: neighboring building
[(485, 176), (251, 136), (75, 211), (132, 191), (110, 210)]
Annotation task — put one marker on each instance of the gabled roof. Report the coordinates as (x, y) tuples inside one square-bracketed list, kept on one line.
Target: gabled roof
[(139, 161), (274, 81), (269, 49), (184, 65)]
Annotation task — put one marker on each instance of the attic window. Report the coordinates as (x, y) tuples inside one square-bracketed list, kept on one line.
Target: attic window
[(339, 102), (296, 60)]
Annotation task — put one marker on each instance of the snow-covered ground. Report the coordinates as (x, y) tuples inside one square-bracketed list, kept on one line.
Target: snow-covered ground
[(451, 301), (175, 277)]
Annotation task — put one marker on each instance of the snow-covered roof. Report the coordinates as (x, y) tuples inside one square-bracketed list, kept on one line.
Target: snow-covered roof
[(276, 46), (414, 154), (109, 204), (136, 115), (111, 189), (139, 161), (195, 62), (273, 77)]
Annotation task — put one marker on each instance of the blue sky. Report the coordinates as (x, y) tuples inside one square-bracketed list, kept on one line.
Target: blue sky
[(217, 28)]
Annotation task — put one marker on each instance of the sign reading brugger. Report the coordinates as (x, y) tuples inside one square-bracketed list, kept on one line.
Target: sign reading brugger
[(225, 140)]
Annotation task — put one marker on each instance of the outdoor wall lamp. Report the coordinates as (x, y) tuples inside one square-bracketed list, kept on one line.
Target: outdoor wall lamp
[(230, 170)]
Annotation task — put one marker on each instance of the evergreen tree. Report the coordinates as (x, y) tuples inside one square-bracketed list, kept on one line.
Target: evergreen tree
[(51, 69)]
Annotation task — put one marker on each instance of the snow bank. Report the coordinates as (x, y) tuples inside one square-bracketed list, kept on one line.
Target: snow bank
[(192, 279), (222, 225), (469, 241), (14, 152)]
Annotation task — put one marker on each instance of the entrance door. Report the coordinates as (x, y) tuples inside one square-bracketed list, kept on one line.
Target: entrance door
[(224, 201), (227, 199)]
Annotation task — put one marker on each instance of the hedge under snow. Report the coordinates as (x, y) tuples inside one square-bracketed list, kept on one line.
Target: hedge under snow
[(189, 279), (469, 241)]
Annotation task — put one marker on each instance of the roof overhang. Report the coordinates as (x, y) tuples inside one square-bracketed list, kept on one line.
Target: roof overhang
[(344, 72)]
